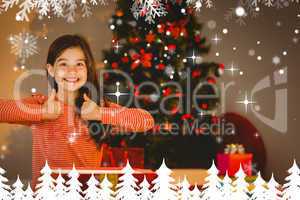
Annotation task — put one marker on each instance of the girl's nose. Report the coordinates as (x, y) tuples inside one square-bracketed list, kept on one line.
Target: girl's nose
[(72, 68)]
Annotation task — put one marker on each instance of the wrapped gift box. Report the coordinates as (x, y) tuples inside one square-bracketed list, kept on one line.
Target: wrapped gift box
[(232, 163)]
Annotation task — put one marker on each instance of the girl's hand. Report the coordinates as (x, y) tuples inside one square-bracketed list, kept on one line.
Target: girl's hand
[(89, 109), (52, 108)]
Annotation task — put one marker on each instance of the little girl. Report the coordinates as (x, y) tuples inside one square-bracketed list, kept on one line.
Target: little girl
[(65, 125)]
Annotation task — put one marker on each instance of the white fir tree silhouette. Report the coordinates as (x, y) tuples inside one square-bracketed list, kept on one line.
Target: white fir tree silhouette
[(163, 185), (45, 189), (292, 187), (17, 192), (240, 186), (145, 193), (60, 188), (273, 192), (74, 186), (226, 187), (260, 191), (93, 191), (28, 194), (212, 186), (196, 194), (127, 186), (4, 188), (106, 192), (185, 192)]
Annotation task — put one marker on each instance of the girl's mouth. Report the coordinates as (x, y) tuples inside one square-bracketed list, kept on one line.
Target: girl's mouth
[(71, 79)]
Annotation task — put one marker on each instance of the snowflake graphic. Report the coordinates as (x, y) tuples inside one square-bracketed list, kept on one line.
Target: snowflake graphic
[(150, 9), (244, 9), (23, 45), (65, 9)]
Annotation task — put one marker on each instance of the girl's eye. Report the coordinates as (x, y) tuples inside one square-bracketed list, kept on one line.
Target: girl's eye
[(80, 64), (63, 64)]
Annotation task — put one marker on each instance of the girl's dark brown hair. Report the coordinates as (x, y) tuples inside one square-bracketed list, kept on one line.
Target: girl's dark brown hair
[(97, 130)]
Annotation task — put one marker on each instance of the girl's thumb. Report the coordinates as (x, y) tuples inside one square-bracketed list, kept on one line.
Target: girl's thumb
[(85, 97)]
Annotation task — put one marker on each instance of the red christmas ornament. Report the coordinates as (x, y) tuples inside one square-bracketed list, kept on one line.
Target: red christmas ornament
[(134, 40), (156, 128), (167, 91), (171, 48), (175, 109), (125, 59), (161, 28), (161, 66), (150, 37), (197, 38), (196, 73), (204, 106), (220, 70), (222, 66), (114, 65), (214, 119), (186, 116), (211, 80)]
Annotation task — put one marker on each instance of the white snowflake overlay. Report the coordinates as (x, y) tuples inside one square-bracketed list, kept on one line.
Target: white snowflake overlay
[(148, 8), (60, 8), (23, 45), (162, 187), (151, 9)]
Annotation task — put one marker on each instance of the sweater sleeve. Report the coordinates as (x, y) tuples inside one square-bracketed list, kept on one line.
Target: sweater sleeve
[(126, 119), (24, 111)]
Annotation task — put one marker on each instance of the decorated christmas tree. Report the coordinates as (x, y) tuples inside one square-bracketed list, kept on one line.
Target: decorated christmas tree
[(169, 53), (4, 188)]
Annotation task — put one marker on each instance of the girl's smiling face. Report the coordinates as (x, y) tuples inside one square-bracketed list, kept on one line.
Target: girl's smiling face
[(70, 69)]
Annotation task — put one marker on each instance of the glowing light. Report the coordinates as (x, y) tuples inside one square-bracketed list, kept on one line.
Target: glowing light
[(246, 102)]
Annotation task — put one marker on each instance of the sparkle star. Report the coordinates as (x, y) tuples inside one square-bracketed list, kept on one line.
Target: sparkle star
[(118, 93), (232, 69), (117, 46), (195, 58), (216, 39), (246, 102)]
